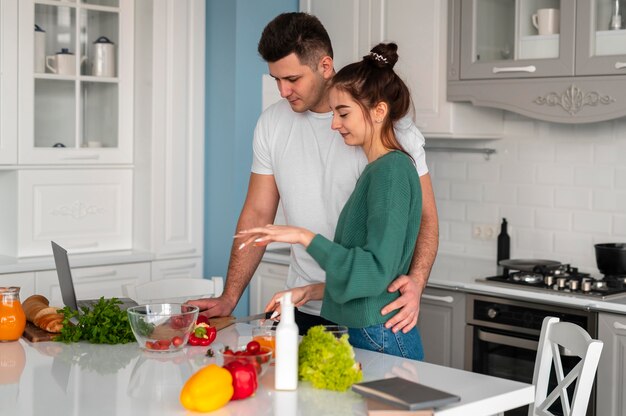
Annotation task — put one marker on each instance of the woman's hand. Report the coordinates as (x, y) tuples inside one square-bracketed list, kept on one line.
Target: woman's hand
[(262, 236), (299, 296)]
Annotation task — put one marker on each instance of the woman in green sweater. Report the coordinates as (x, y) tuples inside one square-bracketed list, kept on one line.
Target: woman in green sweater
[(377, 228)]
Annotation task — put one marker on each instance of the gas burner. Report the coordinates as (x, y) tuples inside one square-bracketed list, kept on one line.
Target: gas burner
[(526, 277), (558, 278)]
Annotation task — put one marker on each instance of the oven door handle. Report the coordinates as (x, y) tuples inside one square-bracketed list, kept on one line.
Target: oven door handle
[(526, 344)]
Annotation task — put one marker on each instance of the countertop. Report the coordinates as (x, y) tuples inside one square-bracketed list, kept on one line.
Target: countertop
[(460, 273), (51, 378)]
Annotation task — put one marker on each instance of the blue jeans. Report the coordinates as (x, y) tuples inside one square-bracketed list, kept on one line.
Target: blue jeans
[(380, 339)]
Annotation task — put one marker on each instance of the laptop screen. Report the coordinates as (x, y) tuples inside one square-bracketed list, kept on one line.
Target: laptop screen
[(65, 276)]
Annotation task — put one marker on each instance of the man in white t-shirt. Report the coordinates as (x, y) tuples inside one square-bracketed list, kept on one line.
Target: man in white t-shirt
[(301, 162)]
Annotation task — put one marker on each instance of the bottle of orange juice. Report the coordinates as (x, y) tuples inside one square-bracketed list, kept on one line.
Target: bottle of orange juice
[(12, 318)]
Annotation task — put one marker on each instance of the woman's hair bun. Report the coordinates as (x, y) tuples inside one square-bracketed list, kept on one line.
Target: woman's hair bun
[(383, 55)]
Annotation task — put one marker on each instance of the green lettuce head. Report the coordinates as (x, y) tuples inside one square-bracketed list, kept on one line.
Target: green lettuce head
[(326, 361)]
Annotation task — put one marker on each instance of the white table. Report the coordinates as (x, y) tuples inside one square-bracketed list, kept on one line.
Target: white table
[(85, 379)]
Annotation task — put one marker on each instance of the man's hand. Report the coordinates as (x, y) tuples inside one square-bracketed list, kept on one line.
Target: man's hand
[(408, 303), (212, 307)]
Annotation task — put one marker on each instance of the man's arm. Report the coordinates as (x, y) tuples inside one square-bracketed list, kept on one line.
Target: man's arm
[(412, 286), (259, 209)]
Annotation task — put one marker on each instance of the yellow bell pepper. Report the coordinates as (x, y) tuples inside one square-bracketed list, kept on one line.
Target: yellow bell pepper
[(208, 389)]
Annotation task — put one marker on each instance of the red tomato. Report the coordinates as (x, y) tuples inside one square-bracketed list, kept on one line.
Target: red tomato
[(164, 343), (253, 347), (177, 341), (228, 352), (150, 345)]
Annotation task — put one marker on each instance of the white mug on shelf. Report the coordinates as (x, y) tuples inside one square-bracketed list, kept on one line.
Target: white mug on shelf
[(546, 21), (62, 63)]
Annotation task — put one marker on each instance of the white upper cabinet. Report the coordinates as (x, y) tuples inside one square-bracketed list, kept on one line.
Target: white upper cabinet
[(8, 84), (76, 81), (420, 30)]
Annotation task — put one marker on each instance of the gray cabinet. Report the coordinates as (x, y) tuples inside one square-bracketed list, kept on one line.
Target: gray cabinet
[(442, 326), (611, 391), (572, 72)]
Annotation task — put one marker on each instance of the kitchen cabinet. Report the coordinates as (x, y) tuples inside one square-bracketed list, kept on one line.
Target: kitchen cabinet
[(69, 111), (442, 327), (8, 86), (25, 281), (93, 282), (268, 279), (175, 269), (420, 30), (611, 391), (130, 176), (177, 127), (572, 73)]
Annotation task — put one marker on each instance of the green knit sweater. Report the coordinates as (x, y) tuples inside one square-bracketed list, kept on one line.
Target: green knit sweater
[(373, 244)]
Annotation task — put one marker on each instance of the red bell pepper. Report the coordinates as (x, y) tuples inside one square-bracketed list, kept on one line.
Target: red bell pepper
[(244, 379), (202, 335)]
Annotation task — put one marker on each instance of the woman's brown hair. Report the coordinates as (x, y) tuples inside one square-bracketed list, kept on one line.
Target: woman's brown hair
[(372, 81)]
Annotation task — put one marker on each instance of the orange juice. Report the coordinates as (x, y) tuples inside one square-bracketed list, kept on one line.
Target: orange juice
[(12, 318), (267, 341)]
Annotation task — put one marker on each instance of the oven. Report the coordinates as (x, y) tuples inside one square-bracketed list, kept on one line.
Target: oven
[(502, 336)]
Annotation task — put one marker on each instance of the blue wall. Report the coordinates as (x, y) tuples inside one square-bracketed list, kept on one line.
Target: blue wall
[(233, 103)]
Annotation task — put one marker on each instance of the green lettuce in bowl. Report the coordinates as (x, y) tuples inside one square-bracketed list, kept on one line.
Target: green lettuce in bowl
[(327, 361)]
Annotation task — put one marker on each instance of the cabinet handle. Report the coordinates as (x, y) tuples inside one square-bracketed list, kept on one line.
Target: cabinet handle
[(81, 157), (529, 68), (620, 65), (446, 299), (617, 325)]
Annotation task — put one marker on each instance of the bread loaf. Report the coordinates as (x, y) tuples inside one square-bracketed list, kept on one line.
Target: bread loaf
[(38, 312)]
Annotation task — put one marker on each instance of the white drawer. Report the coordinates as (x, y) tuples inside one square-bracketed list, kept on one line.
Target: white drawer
[(174, 269), (93, 282), (84, 211), (25, 281)]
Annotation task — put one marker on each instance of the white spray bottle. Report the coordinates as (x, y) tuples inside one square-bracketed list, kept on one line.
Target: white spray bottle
[(286, 372)]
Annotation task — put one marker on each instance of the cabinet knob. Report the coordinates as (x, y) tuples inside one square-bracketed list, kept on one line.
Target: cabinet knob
[(492, 313)]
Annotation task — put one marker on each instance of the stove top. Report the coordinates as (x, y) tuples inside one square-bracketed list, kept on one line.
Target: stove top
[(562, 279)]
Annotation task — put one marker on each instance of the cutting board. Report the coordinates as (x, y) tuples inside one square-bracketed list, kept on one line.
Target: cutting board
[(34, 334), (221, 322)]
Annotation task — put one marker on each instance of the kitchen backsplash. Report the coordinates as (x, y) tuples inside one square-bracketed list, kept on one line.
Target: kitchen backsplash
[(562, 188)]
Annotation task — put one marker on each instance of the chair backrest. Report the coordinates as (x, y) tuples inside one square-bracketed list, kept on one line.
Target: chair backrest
[(174, 290), (572, 339)]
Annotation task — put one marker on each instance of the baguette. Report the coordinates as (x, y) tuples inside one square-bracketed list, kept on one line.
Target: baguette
[(39, 313)]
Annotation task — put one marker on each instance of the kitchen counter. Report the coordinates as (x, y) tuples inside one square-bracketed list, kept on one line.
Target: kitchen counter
[(461, 273), (87, 379)]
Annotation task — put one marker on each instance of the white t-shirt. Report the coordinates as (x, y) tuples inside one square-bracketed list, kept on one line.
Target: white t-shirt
[(315, 172)]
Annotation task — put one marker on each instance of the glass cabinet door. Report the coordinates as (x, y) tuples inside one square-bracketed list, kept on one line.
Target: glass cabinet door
[(76, 96), (601, 42), (517, 38)]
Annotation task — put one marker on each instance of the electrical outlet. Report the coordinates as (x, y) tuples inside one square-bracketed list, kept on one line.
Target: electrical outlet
[(485, 232)]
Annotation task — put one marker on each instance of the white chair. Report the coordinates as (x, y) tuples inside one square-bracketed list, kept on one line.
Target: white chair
[(174, 290), (557, 336)]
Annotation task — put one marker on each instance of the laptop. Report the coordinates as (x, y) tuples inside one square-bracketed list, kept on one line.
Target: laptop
[(67, 284)]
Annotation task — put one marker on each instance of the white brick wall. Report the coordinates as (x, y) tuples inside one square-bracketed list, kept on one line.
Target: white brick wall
[(561, 187)]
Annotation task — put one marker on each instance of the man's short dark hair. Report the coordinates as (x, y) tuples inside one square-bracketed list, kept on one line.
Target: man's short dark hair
[(299, 33)]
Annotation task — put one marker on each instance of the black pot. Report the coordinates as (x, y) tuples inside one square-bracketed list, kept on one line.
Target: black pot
[(611, 258)]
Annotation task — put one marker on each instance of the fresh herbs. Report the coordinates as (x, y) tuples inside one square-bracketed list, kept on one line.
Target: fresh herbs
[(104, 323)]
